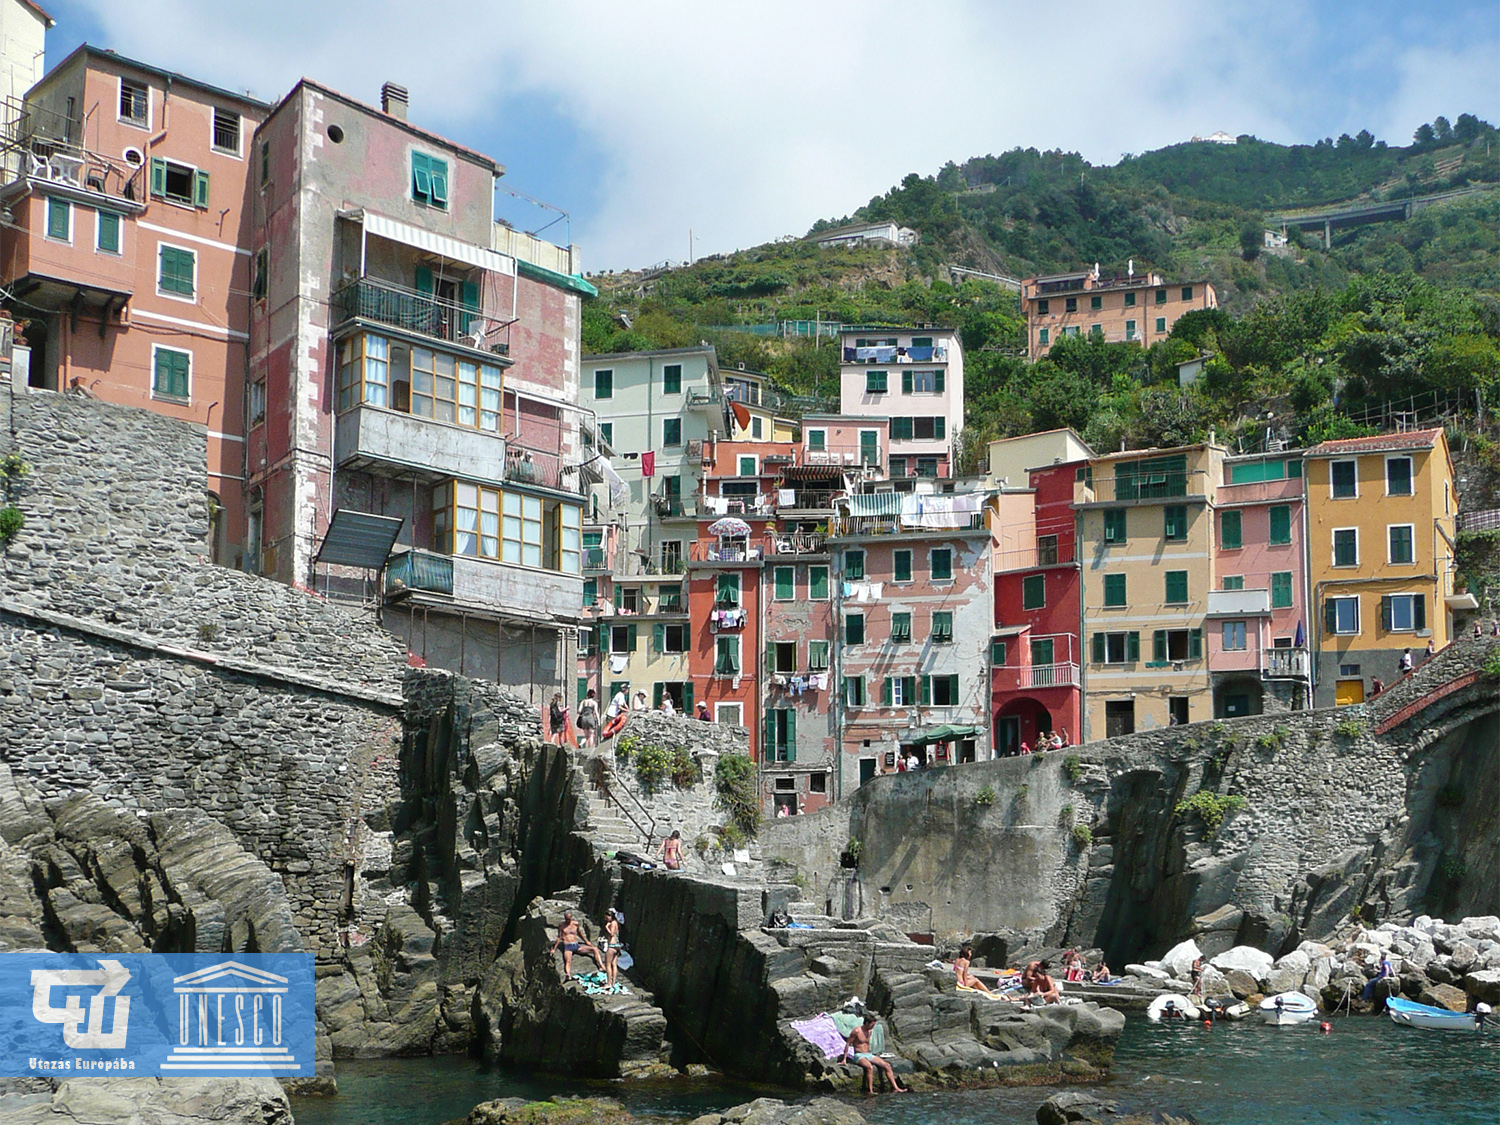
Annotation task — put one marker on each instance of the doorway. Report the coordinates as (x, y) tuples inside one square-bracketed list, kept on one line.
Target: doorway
[(1347, 692), (1008, 741), (866, 769), (1119, 717), (1177, 710)]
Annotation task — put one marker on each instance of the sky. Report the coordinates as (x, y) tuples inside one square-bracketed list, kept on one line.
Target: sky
[(653, 122)]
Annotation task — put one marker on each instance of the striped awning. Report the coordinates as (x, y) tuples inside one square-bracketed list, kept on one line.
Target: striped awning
[(876, 504), (451, 248)]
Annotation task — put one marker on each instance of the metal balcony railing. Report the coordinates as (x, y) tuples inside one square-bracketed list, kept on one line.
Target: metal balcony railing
[(1028, 558), (1032, 676), (595, 559), (545, 470), (1284, 664), (799, 543), (812, 499), (382, 302), (419, 570)]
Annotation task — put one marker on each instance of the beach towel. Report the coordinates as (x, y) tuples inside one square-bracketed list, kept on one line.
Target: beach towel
[(823, 1033), (848, 1021)]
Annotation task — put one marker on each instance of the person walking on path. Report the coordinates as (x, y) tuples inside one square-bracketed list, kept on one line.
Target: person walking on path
[(1406, 662), (857, 1043), (558, 729), (703, 715), (588, 718), (572, 941)]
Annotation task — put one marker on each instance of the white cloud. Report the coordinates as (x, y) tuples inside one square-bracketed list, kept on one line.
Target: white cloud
[(748, 121)]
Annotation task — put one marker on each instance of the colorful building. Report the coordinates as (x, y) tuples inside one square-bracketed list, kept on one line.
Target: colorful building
[(913, 379), (1145, 531), (1139, 309), (1258, 609), (1381, 513)]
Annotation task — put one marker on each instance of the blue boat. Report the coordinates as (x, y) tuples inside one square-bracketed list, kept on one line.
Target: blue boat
[(1411, 1014)]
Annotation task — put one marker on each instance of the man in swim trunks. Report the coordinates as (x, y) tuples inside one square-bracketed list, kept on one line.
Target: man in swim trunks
[(966, 979), (858, 1043), (571, 940), (1038, 982)]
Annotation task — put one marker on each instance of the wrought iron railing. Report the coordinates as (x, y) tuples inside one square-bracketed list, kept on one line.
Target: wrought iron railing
[(545, 470), (385, 303)]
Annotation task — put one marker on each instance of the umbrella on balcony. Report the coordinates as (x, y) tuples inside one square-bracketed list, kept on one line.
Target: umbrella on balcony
[(729, 526), (1301, 641)]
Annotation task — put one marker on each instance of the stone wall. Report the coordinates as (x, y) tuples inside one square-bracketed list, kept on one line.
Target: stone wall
[(1343, 812)]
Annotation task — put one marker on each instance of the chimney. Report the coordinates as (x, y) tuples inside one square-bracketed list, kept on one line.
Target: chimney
[(393, 100)]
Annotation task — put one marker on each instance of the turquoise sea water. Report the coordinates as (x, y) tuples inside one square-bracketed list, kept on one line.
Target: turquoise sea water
[(1367, 1072)]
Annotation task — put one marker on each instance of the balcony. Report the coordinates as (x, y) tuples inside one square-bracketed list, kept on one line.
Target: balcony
[(420, 314), (540, 469), (811, 500), (376, 439), (1032, 558), (762, 506), (49, 151), (709, 552), (595, 560), (1285, 664), (1239, 603), (704, 398), (674, 508), (799, 543), (1032, 676), (419, 570), (484, 585)]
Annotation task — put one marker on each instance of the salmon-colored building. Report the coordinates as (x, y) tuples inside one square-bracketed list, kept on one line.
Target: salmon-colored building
[(1133, 308), (125, 257)]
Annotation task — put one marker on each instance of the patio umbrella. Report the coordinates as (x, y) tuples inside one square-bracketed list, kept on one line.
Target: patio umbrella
[(729, 526)]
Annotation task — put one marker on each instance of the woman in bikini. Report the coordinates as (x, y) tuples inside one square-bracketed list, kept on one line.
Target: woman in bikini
[(610, 946), (966, 978), (671, 851)]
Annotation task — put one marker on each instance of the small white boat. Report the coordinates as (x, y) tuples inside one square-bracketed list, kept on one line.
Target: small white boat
[(1287, 1008), (1237, 1010), (1408, 1013), (1171, 1006)]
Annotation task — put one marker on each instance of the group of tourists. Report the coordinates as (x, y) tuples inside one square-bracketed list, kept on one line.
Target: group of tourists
[(606, 954), (592, 726), (1047, 740)]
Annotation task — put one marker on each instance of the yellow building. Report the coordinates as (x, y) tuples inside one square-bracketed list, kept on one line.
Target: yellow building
[(1381, 519), (1145, 540)]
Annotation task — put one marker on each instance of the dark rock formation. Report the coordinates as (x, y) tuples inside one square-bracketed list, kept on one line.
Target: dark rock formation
[(149, 1101)]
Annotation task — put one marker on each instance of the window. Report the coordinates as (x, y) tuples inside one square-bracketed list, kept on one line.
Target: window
[(178, 183), (171, 373), (265, 163), (1346, 546), (901, 566), (1341, 615), (1400, 535), (749, 466), (1281, 525), (781, 656), (1130, 330), (1161, 296), (1161, 324), (1074, 330), (1234, 636), (1342, 474), (226, 131), (1130, 300), (1403, 613), (940, 691), (429, 180), (450, 390), (997, 653), (1398, 476), (922, 382), (1174, 521), (1043, 337), (1046, 550), (260, 283), (672, 639), (817, 656), (899, 691), (1096, 330), (107, 233), (817, 583), (942, 627), (1168, 646), (604, 387), (607, 433), (1234, 582), (869, 447), (900, 628), (671, 431), (1117, 648), (1229, 531), (1043, 651), (1034, 591), (1114, 525), (1187, 292), (854, 565), (257, 402), (854, 691), (757, 429), (1114, 589), (817, 440), (1043, 307), (1070, 304), (671, 379), (590, 591), (942, 564), (1177, 587), (728, 592), (59, 219), (1096, 303), (135, 103), (854, 628), (1281, 589), (875, 382), (786, 583), (781, 738), (177, 271), (726, 656), (669, 598), (364, 372)]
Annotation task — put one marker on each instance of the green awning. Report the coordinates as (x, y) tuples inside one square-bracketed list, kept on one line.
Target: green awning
[(552, 277), (944, 732)]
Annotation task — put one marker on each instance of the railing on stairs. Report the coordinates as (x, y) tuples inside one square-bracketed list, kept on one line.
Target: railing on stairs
[(602, 778)]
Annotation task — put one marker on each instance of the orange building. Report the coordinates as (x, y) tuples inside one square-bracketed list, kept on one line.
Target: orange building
[(1134, 308), (124, 256)]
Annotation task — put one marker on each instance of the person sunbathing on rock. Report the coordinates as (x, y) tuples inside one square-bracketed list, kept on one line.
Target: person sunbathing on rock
[(966, 978), (572, 941), (1101, 973), (1037, 982), (858, 1042)]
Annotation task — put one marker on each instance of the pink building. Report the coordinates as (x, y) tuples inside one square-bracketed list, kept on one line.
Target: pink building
[(1256, 627)]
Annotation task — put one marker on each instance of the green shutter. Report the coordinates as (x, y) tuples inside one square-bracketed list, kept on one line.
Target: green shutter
[(1132, 647), (1159, 645), (925, 698), (1385, 613), (200, 189), (791, 734), (1281, 525), (953, 690), (885, 691), (1229, 531), (1330, 616), (1177, 587), (656, 690), (619, 596), (786, 583), (1419, 611), (1281, 589), (940, 427), (59, 219), (634, 639), (158, 176), (424, 281), (938, 381), (687, 698), (583, 688), (1195, 644), (768, 736), (817, 582), (906, 382), (109, 232), (1099, 642), (421, 178), (901, 570), (438, 170), (469, 298), (658, 637)]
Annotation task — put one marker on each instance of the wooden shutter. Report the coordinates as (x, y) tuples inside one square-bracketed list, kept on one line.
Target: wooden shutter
[(791, 734), (424, 281), (659, 638), (158, 176), (940, 427), (768, 736), (1419, 611), (438, 171), (656, 691), (469, 298), (1132, 647), (906, 382), (421, 178), (632, 639), (1099, 643), (1159, 645), (1330, 616), (687, 698), (926, 691), (938, 379), (886, 695), (1195, 644), (200, 189), (1385, 613)]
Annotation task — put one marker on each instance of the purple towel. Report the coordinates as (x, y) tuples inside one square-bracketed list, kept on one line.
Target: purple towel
[(822, 1033)]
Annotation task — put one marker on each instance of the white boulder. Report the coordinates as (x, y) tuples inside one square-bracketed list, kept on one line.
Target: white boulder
[(1146, 972), (1247, 959), (1484, 927), (1179, 959)]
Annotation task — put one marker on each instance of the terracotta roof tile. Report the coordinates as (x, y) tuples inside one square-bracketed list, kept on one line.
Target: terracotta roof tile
[(1379, 443)]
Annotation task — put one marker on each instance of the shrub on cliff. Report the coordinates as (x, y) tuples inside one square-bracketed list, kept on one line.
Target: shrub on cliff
[(1211, 808), (738, 792)]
